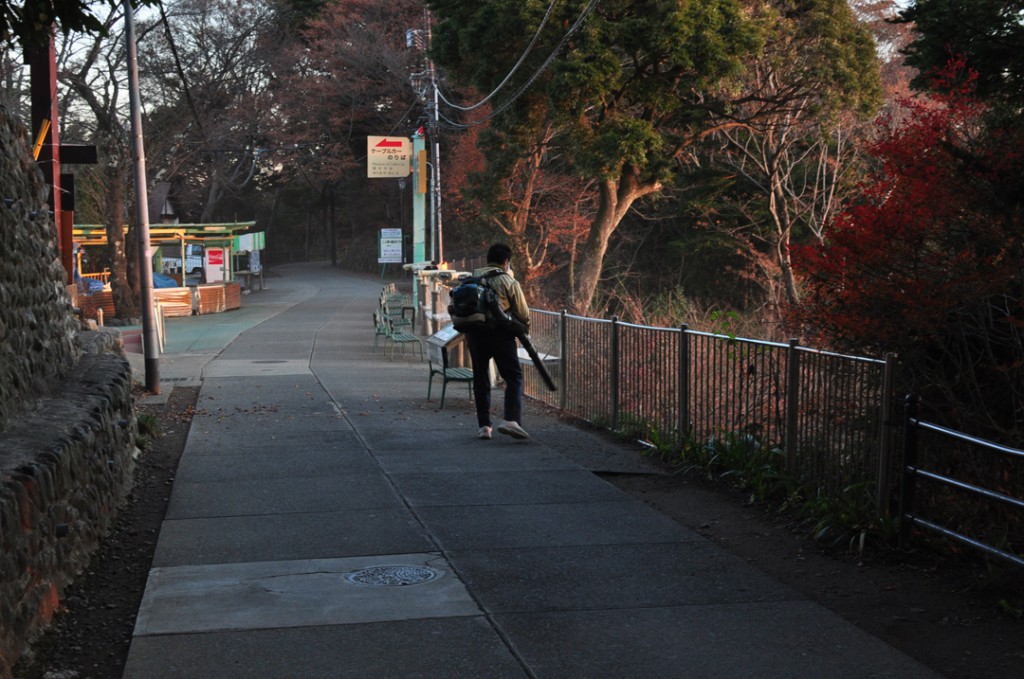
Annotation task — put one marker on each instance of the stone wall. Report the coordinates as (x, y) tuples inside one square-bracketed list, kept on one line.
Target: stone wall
[(77, 450), (38, 342), (67, 420)]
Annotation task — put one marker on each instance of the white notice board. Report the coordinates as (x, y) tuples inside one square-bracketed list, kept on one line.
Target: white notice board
[(389, 248)]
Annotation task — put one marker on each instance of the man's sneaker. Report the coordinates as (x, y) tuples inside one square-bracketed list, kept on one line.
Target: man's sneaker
[(514, 430), (484, 433)]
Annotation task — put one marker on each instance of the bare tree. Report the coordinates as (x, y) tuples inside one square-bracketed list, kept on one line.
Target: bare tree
[(346, 76), (14, 76), (94, 69), (801, 99), (525, 196), (206, 74)]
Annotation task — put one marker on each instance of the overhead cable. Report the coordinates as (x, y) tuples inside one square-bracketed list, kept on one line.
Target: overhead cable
[(508, 76), (547, 62)]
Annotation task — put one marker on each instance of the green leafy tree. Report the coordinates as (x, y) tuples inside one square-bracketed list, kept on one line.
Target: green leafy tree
[(628, 86), (521, 195), (988, 33), (891, 37), (29, 24)]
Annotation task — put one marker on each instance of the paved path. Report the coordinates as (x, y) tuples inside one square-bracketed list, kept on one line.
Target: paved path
[(328, 521)]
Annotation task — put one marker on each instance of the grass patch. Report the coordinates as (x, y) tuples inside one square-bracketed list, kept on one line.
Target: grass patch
[(757, 468), (148, 429)]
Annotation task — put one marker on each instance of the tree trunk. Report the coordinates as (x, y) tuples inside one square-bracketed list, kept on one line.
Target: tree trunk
[(783, 231), (616, 198), (520, 239), (125, 304), (133, 261)]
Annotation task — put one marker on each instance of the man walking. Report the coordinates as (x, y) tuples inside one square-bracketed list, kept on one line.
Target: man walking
[(498, 344)]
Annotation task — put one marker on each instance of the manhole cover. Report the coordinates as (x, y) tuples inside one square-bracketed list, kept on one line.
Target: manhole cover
[(392, 576)]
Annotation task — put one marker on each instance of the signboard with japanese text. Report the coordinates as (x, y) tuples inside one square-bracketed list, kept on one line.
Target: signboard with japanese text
[(389, 250), (388, 157)]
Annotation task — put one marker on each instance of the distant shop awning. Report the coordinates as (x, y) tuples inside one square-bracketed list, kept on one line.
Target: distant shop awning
[(250, 242), (96, 234)]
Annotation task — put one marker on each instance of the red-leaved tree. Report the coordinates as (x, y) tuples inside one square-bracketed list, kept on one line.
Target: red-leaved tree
[(928, 261)]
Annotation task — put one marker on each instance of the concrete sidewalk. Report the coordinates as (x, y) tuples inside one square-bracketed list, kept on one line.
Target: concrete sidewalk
[(328, 521)]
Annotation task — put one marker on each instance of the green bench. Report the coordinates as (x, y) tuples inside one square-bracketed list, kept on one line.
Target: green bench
[(395, 337), (437, 357), (391, 323)]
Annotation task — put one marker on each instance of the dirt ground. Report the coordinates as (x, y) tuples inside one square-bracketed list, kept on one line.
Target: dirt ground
[(962, 620), (91, 634)]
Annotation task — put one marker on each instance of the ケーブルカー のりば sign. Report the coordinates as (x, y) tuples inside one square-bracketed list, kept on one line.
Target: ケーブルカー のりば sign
[(388, 157)]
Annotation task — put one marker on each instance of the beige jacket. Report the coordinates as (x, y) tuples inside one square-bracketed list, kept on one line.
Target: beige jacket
[(510, 293)]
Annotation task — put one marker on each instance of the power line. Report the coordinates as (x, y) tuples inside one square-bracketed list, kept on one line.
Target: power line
[(508, 76), (405, 116), (452, 124)]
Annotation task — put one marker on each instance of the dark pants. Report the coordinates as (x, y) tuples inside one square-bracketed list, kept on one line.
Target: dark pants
[(501, 346)]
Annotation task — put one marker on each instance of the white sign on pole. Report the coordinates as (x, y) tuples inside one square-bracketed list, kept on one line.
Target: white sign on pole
[(390, 248), (388, 157)]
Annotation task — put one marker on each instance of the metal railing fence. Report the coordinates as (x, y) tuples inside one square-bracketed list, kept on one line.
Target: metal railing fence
[(545, 328), (840, 415), (975, 485), (827, 412), (735, 386), (830, 416)]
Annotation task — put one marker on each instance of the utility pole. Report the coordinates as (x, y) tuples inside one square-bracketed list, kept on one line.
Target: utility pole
[(438, 240), (150, 347), (421, 80), (419, 193)]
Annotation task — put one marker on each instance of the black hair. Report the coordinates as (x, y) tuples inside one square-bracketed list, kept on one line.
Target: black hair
[(499, 253)]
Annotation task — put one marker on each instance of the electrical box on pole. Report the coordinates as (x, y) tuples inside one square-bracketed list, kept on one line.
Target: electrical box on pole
[(421, 177)]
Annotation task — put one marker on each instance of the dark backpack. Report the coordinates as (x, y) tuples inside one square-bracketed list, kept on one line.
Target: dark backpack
[(473, 303)]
